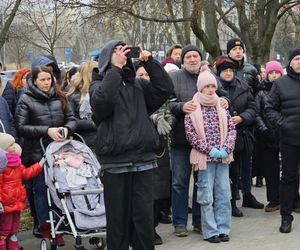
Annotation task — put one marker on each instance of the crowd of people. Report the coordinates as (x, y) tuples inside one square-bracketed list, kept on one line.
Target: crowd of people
[(151, 125)]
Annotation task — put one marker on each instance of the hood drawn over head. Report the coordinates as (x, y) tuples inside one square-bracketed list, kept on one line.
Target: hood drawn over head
[(47, 60), (105, 57)]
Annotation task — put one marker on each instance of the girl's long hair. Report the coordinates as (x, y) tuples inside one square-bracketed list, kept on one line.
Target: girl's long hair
[(61, 96), (82, 79)]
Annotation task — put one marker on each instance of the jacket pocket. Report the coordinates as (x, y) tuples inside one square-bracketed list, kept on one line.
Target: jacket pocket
[(204, 194)]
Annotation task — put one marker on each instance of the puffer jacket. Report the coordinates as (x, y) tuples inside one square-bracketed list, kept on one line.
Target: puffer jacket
[(247, 72), (266, 132), (35, 113), (8, 94), (12, 191), (283, 105)]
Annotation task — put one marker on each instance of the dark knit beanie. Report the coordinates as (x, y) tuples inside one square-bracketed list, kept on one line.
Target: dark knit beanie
[(234, 42), (188, 48), (222, 63), (294, 52)]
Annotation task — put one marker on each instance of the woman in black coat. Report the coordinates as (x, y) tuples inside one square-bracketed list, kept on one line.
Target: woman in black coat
[(43, 111), (243, 112), (268, 138)]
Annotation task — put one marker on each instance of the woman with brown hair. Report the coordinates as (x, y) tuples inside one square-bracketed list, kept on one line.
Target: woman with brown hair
[(43, 111)]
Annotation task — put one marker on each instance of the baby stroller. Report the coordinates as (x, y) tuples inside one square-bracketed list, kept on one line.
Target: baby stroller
[(73, 185)]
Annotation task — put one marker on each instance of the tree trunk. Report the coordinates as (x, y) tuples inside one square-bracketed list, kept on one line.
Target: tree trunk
[(8, 22)]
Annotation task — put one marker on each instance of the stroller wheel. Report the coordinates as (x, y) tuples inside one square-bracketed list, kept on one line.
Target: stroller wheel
[(101, 244), (46, 244)]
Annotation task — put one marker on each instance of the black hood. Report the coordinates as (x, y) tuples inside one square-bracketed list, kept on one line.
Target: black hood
[(105, 57)]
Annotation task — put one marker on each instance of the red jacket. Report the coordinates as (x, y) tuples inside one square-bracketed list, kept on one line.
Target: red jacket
[(12, 191)]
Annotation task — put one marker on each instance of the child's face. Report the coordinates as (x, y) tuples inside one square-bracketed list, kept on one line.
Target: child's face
[(209, 89), (273, 75)]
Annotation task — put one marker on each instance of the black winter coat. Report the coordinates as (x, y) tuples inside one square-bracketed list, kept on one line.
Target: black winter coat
[(6, 119), (266, 132), (283, 107), (85, 127), (9, 95), (35, 113), (247, 72), (121, 106), (243, 105)]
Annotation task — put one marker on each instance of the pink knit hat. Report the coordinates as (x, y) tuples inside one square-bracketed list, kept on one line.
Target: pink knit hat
[(273, 66), (205, 78)]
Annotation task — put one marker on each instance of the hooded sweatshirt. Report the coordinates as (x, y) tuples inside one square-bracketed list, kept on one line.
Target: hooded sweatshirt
[(121, 106)]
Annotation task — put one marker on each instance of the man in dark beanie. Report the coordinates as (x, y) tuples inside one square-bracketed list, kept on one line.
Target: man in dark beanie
[(244, 70), (282, 110), (185, 87)]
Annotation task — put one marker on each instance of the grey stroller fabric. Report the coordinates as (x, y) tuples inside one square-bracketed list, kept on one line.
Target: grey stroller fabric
[(88, 209)]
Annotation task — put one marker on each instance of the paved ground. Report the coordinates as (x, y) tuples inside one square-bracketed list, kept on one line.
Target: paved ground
[(256, 230)]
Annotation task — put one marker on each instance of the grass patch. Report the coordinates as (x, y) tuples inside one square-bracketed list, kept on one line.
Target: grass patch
[(26, 222)]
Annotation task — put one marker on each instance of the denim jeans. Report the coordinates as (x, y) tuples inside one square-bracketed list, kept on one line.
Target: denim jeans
[(181, 172), (40, 198), (214, 197)]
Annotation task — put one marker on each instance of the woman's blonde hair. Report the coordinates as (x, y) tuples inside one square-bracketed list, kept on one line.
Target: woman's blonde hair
[(82, 79)]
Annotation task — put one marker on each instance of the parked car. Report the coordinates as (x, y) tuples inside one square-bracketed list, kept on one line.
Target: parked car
[(10, 73)]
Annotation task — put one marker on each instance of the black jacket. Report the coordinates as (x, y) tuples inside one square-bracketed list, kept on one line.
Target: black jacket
[(283, 107), (266, 132), (85, 127), (185, 87), (243, 105), (9, 95), (6, 119), (35, 113), (121, 106), (248, 73)]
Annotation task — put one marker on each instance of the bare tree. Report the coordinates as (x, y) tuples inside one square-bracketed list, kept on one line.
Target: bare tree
[(257, 19), (48, 21), (6, 19)]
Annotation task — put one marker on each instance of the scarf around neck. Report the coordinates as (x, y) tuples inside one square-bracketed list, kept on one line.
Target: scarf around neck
[(199, 159), (13, 160)]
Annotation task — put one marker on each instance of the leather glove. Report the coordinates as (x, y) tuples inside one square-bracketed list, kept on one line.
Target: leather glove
[(223, 153), (163, 127), (1, 208), (215, 153)]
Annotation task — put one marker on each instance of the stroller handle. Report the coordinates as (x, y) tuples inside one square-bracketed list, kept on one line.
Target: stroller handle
[(78, 136), (86, 192)]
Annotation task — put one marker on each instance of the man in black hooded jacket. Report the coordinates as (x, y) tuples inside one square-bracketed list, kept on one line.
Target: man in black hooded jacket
[(126, 142), (283, 111)]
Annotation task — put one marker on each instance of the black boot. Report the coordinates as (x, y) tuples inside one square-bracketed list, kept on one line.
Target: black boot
[(286, 225), (157, 238), (251, 202), (235, 212), (259, 182)]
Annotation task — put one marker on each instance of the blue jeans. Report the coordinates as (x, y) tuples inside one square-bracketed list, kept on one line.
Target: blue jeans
[(40, 198), (181, 172), (214, 197)]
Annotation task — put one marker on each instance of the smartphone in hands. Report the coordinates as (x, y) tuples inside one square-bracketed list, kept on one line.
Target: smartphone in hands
[(134, 52)]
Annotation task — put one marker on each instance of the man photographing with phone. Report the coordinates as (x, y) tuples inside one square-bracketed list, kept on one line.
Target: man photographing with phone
[(126, 142)]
